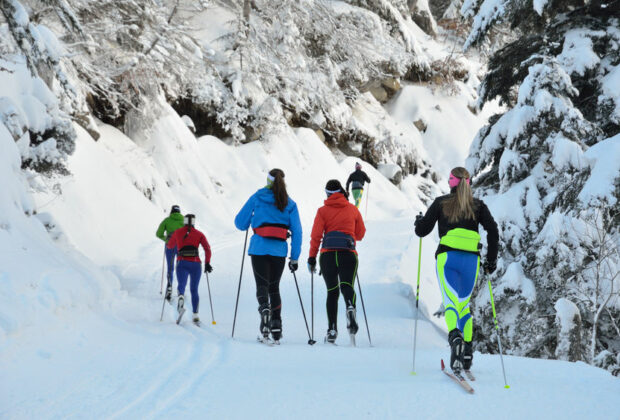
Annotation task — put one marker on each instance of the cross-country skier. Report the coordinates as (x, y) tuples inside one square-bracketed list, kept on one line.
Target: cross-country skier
[(357, 178), (338, 225), (458, 215), (165, 230), (272, 214), (187, 240)]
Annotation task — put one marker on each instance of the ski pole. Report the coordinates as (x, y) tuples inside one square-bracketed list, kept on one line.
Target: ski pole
[(417, 299), (367, 195), (210, 301), (163, 305), (312, 302), (163, 262), (239, 288), (363, 308), (499, 341), (310, 340)]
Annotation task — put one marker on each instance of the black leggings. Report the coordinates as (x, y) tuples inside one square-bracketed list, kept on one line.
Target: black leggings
[(267, 273), (339, 269)]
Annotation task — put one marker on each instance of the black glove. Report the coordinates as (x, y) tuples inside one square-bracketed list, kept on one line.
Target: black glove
[(417, 219), (293, 265), (208, 268), (490, 266), (312, 264), (440, 311)]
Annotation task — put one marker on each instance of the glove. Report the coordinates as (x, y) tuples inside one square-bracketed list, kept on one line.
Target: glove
[(417, 219), (312, 264), (440, 311), (208, 268), (293, 265), (490, 266)]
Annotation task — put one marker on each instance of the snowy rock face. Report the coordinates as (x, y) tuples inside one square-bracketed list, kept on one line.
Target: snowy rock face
[(543, 170)]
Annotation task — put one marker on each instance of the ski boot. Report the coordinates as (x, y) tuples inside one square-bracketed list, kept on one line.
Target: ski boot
[(331, 336), (169, 292), (276, 329), (196, 318), (265, 320), (455, 339), (468, 355), (351, 321)]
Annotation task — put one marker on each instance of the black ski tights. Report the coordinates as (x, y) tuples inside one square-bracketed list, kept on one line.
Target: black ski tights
[(339, 269), (267, 273)]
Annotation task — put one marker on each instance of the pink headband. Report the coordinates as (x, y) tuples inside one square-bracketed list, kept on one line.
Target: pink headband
[(454, 181)]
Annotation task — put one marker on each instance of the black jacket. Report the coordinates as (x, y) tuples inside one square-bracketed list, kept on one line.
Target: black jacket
[(358, 178), (483, 217)]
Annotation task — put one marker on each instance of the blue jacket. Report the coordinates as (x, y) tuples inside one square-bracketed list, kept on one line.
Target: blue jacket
[(261, 208)]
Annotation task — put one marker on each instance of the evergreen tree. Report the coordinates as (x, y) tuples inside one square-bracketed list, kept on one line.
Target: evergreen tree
[(559, 81)]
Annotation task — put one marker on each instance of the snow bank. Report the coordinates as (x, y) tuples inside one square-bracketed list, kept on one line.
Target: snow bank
[(41, 279)]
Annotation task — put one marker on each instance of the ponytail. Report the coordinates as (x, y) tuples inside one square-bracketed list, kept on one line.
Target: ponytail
[(460, 204), (279, 188)]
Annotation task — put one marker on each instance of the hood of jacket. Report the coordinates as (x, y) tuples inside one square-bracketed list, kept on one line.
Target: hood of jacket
[(176, 217), (336, 200), (266, 196)]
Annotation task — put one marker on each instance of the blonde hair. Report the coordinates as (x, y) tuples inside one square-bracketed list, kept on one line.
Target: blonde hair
[(460, 205)]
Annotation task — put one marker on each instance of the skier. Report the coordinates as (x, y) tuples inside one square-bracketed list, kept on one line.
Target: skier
[(458, 215), (186, 240), (338, 225), (272, 214), (357, 178), (165, 230)]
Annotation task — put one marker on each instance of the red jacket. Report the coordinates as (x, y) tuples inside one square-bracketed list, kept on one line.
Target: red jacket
[(337, 214), (194, 239)]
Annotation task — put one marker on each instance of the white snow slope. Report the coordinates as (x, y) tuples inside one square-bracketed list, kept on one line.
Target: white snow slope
[(80, 335)]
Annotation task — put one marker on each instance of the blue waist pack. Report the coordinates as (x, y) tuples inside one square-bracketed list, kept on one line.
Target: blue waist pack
[(338, 240)]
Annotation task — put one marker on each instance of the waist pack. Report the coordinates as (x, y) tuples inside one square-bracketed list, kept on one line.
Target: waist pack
[(273, 231), (462, 239), (357, 185), (338, 240), (188, 251)]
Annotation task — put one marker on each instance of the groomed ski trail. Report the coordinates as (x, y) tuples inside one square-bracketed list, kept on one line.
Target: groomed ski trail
[(130, 365)]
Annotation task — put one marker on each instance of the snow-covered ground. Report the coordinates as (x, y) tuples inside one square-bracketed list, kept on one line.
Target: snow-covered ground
[(80, 335)]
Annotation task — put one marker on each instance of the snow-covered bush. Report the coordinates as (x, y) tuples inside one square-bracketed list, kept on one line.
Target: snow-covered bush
[(550, 154), (38, 99)]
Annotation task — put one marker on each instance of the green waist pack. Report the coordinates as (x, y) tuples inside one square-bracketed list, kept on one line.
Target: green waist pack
[(463, 239)]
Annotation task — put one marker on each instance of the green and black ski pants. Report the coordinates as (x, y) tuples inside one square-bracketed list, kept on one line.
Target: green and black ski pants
[(339, 269), (267, 273)]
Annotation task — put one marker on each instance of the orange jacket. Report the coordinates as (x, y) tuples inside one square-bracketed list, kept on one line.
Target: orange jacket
[(337, 214)]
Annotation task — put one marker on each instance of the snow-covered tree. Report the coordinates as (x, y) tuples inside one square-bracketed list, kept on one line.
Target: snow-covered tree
[(549, 152), (40, 98)]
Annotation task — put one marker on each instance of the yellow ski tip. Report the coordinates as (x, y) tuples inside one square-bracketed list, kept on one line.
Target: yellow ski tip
[(507, 386), (213, 322)]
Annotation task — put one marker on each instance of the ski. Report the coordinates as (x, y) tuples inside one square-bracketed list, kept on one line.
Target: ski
[(352, 337), (197, 323), (181, 312), (267, 341), (470, 375), (458, 378)]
